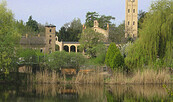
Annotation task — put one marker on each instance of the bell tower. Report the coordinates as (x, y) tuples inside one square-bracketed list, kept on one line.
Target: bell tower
[(50, 38), (131, 19)]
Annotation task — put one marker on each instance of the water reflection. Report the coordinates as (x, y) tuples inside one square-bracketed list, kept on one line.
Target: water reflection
[(82, 93)]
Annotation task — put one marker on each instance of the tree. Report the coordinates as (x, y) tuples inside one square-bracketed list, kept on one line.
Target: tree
[(102, 19), (155, 41), (90, 17), (89, 39), (27, 57), (70, 31), (114, 59), (57, 60), (32, 24), (141, 16), (117, 34), (9, 38)]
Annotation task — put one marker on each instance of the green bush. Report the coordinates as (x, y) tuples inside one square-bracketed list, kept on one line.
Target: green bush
[(27, 56), (64, 59), (114, 59)]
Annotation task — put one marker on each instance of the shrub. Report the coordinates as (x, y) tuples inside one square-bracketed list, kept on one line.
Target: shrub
[(114, 59), (61, 59)]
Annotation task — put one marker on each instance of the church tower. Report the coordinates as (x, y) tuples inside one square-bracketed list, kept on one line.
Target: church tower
[(131, 19), (50, 38)]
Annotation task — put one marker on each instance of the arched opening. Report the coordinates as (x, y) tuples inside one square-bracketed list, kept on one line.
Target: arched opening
[(73, 48), (56, 47), (66, 48)]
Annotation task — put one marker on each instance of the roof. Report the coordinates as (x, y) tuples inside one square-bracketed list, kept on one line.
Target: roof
[(70, 42), (33, 40), (50, 25)]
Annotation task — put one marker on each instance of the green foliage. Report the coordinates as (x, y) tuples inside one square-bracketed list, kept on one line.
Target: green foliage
[(100, 56), (32, 24), (117, 34), (100, 53), (89, 39), (90, 17), (9, 38), (156, 39), (114, 59), (57, 60), (70, 31), (27, 56), (141, 17), (102, 19)]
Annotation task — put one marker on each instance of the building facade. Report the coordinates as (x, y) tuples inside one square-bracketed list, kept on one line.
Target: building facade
[(131, 19), (49, 42)]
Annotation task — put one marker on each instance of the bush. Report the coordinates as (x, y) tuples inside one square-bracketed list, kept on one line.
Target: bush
[(57, 60), (114, 59)]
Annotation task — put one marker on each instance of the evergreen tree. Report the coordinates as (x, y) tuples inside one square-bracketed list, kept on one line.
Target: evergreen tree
[(114, 59)]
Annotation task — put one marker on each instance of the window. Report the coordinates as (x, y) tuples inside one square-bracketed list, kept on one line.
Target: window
[(50, 36), (50, 41), (133, 22), (56, 39), (95, 29), (128, 23), (41, 50), (128, 10), (50, 30), (133, 10)]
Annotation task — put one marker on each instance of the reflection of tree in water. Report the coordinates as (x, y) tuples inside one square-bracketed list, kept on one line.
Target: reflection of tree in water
[(136, 93), (84, 93)]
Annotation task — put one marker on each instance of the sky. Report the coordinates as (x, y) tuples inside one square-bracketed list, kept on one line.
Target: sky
[(59, 12)]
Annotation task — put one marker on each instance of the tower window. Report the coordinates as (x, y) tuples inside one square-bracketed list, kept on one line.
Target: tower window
[(128, 10), (133, 10), (50, 36), (56, 39), (133, 22), (128, 23), (50, 30), (50, 41)]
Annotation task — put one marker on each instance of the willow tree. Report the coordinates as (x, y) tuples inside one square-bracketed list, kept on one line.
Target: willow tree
[(8, 38), (156, 37)]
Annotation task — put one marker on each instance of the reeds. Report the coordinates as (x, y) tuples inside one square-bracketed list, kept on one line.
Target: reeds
[(148, 76), (89, 78)]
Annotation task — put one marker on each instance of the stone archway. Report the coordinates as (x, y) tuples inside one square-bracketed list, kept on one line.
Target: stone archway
[(66, 48), (73, 48)]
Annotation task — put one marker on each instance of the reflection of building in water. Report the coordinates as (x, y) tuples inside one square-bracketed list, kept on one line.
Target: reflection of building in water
[(68, 93)]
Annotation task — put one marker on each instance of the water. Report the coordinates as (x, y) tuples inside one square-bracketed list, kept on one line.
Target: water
[(83, 93)]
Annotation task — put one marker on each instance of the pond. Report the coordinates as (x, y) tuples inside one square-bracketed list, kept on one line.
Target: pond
[(83, 93)]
